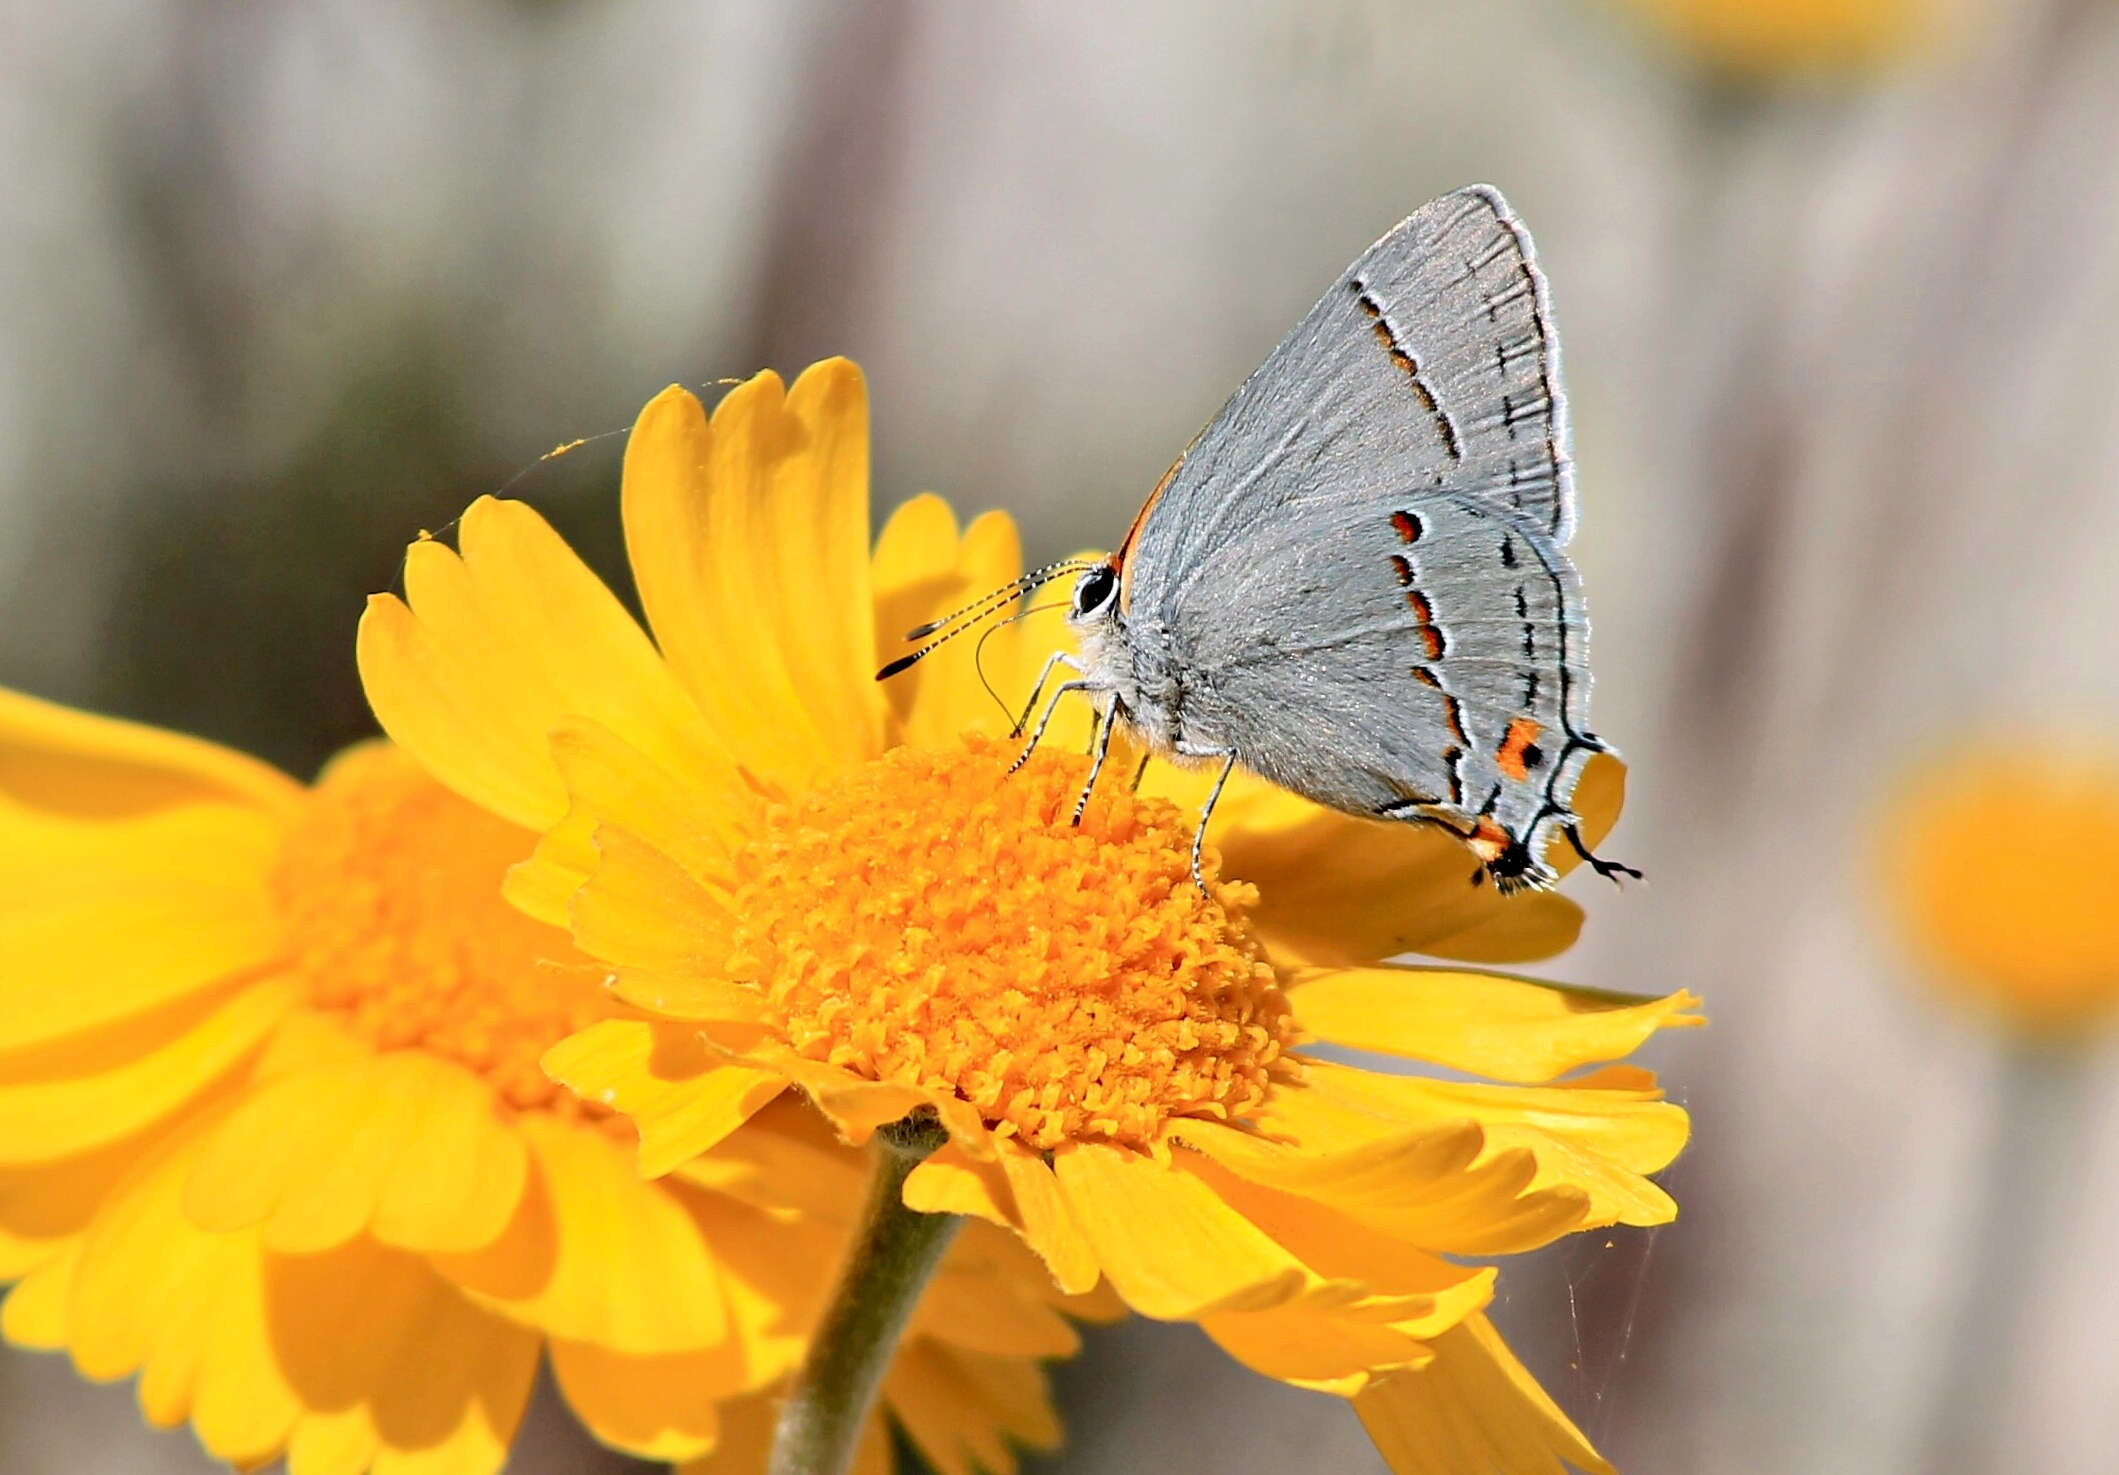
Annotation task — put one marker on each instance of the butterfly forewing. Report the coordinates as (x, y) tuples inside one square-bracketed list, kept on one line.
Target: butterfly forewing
[(1430, 364), (1359, 566)]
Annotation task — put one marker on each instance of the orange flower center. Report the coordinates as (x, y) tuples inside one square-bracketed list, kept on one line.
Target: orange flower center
[(931, 920), (390, 886)]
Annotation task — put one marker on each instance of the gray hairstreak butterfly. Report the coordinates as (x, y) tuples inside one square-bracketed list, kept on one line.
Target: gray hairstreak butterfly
[(1354, 582)]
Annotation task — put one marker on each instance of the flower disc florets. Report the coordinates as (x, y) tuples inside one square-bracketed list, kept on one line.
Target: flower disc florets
[(390, 888), (932, 920)]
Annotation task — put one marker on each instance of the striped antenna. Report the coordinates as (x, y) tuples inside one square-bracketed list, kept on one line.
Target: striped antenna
[(978, 611)]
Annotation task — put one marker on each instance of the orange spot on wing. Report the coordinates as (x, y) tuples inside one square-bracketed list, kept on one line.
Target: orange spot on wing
[(1519, 749), (1488, 839), (1407, 526)]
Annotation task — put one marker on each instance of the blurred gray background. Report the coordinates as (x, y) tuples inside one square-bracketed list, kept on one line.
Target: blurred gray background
[(282, 283)]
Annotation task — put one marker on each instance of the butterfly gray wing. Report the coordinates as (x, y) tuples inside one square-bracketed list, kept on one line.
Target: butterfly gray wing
[(1431, 364), (1413, 656)]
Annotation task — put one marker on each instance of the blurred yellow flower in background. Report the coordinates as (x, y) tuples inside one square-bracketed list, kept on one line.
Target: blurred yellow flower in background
[(1764, 38), (802, 878), (273, 1136), (2003, 877)]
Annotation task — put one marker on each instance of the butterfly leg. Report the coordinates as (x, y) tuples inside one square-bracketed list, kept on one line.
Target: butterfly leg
[(1199, 836), (1051, 705), (1610, 870), (1059, 658), (1099, 749)]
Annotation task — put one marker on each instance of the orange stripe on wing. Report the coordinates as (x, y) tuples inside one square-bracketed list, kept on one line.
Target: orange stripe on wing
[(1118, 559)]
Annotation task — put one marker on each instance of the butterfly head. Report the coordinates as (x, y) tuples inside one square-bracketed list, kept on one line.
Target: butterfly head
[(1095, 597)]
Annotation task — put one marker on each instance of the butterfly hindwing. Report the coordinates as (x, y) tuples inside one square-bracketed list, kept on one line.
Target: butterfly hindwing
[(1407, 657)]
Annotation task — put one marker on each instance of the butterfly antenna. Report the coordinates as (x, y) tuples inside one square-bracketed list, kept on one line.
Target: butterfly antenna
[(977, 612), (1006, 592)]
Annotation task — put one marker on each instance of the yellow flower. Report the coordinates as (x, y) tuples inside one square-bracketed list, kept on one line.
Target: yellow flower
[(2001, 873), (804, 878), (1759, 38), (273, 1136)]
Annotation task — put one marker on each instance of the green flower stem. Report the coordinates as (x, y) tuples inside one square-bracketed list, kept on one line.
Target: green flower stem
[(894, 1252)]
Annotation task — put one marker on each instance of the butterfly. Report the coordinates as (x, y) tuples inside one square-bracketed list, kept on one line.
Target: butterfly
[(1354, 582)]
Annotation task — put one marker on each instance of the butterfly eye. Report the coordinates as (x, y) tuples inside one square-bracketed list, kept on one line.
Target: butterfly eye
[(1094, 590)]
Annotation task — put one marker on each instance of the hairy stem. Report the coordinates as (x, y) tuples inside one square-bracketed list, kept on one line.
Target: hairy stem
[(894, 1252)]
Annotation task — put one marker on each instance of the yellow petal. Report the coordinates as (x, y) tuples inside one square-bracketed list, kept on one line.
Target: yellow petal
[(1416, 1292), (1047, 1223), (1529, 926), (137, 1272), (789, 1163), (45, 1120), (459, 1174), (595, 1254), (342, 1442), (971, 1312), (1323, 1350), (1504, 1028), (745, 1442), (496, 646), (713, 1002), (991, 553), (769, 1269), (748, 538), (442, 1384), (951, 1181), (1600, 793), (923, 571), (989, 1297), (71, 763), (1435, 1186), (656, 1408), (80, 964), (475, 730), (964, 1412), (640, 910), (1169, 1245), (1473, 1408), (1600, 1134), (49, 856), (916, 581), (611, 785), (873, 1455), (34, 1314), (44, 1210), (1337, 890), (406, 1146), (854, 1105), (679, 1099), (242, 1408), (185, 1309)]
